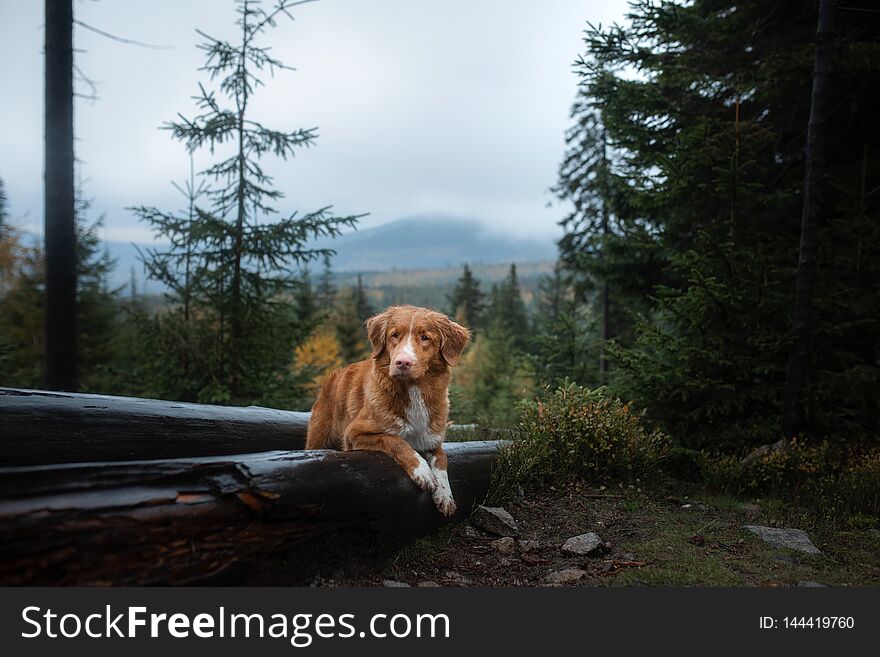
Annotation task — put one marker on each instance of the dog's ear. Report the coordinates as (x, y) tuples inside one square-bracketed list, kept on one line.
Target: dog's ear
[(453, 338), (377, 329)]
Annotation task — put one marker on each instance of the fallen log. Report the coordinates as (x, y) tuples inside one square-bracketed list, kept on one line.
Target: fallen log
[(216, 519), (38, 426)]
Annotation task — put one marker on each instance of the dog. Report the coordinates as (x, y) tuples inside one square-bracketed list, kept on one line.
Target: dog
[(397, 401)]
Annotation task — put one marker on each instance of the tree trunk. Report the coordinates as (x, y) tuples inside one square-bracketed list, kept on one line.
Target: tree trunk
[(61, 371), (807, 271), (50, 427), (606, 308), (274, 517)]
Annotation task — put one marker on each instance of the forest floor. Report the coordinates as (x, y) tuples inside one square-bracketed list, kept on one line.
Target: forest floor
[(674, 537)]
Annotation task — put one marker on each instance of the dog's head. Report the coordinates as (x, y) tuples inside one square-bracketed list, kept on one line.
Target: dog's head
[(413, 341)]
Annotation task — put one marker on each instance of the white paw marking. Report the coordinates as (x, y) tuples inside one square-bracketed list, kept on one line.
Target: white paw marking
[(423, 476), (443, 492)]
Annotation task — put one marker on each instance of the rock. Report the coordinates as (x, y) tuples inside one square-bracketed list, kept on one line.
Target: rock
[(456, 578), (428, 584), (529, 546), (764, 450), (503, 545), (495, 520), (811, 585), (584, 544), (790, 539), (504, 562), (472, 532), (750, 509), (565, 576), (394, 584)]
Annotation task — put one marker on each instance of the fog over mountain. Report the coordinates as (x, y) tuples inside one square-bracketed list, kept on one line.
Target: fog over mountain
[(420, 242)]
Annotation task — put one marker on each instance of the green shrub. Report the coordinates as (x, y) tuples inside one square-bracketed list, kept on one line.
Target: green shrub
[(840, 481), (575, 433)]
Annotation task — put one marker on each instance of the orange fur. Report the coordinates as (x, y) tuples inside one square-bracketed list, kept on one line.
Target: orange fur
[(379, 405)]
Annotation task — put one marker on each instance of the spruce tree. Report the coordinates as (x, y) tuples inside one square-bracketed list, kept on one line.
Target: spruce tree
[(466, 300), (22, 313), (507, 311), (326, 287), (566, 340), (242, 255), (352, 309), (707, 163)]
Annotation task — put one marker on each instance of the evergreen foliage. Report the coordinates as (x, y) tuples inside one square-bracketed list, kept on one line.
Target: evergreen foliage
[(99, 321), (565, 343), (233, 262), (506, 312), (466, 301), (704, 111)]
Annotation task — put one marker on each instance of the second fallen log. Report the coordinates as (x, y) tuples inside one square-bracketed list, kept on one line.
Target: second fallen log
[(182, 521)]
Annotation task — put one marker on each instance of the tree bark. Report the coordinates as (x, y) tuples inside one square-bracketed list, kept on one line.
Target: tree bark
[(606, 305), (278, 517), (807, 271), (61, 366), (42, 427)]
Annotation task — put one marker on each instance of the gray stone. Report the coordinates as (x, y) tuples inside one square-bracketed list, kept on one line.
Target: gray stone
[(428, 584), (583, 545), (528, 546), (394, 584), (764, 450), (503, 545), (565, 576), (806, 584), (750, 509), (457, 578), (471, 532), (495, 520), (790, 539)]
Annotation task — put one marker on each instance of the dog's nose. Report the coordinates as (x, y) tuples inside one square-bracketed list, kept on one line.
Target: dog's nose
[(403, 363)]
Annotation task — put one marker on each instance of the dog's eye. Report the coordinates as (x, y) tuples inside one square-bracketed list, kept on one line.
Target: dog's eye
[(395, 335), (425, 338)]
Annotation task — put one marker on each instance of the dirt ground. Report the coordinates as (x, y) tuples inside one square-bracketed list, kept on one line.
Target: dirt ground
[(659, 538)]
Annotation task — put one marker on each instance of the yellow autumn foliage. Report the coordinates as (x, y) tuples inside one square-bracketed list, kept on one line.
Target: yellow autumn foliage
[(320, 353)]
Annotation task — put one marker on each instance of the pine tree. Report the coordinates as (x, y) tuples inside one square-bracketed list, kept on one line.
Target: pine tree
[(22, 313), (706, 143), (466, 300), (307, 309), (4, 213), (490, 380), (361, 303), (507, 310), (807, 272), (566, 339), (348, 322), (326, 288), (60, 314), (241, 256)]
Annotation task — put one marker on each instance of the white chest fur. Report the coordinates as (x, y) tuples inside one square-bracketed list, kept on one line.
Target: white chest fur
[(415, 427)]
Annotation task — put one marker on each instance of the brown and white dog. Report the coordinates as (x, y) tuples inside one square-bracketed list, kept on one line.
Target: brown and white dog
[(397, 401)]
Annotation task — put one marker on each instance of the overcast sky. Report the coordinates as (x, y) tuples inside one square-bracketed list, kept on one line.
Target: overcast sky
[(450, 107)]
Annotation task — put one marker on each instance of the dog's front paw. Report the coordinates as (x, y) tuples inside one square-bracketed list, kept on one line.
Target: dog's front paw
[(443, 493), (445, 503), (424, 477)]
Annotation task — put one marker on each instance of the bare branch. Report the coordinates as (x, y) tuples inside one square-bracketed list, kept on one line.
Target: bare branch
[(120, 39)]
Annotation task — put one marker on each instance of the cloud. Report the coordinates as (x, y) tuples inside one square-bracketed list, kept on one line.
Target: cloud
[(454, 108)]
